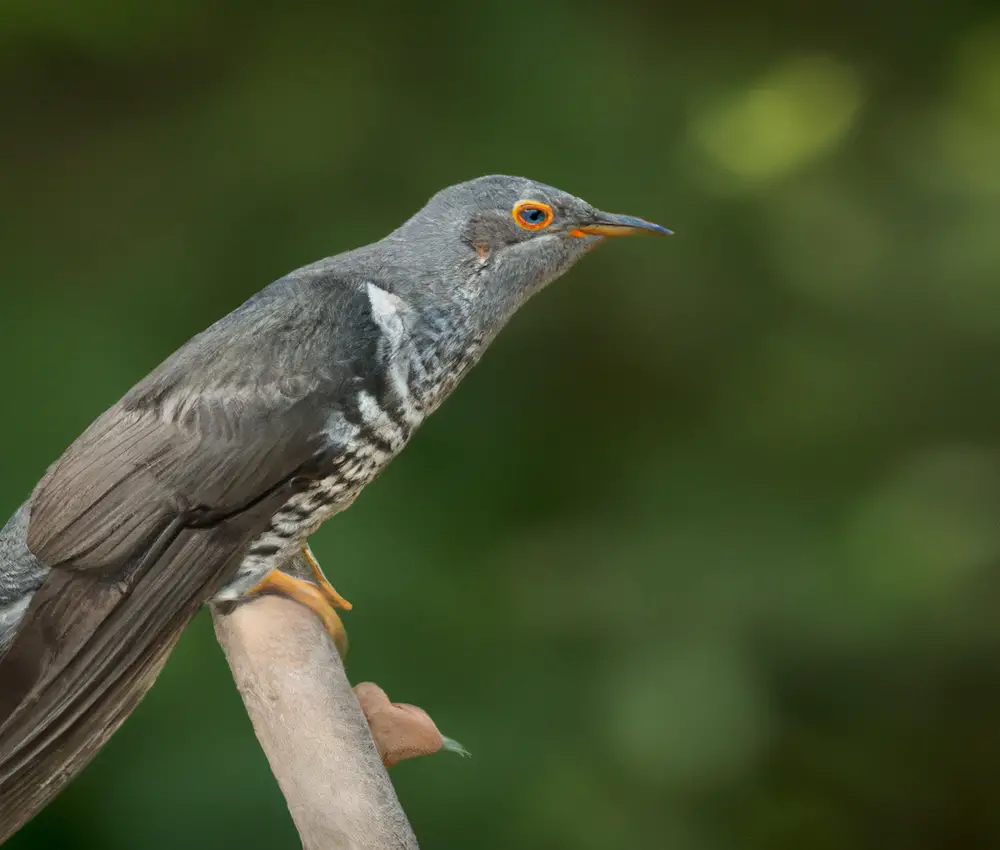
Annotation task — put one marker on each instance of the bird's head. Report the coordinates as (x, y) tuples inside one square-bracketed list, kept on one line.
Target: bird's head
[(498, 240)]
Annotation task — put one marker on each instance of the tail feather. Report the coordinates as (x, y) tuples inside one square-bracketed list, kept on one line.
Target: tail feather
[(84, 655), (27, 786), (88, 649)]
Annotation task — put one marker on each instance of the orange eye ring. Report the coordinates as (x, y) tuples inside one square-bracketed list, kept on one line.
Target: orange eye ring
[(532, 215)]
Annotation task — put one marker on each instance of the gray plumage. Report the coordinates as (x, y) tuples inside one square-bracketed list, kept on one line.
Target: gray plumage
[(21, 574), (214, 469)]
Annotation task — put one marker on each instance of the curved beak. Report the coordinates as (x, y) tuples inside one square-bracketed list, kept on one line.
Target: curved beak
[(609, 224)]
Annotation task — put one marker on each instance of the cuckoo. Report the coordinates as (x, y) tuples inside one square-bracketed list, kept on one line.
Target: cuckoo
[(205, 481)]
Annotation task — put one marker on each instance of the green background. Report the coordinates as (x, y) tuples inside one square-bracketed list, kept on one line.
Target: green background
[(705, 553)]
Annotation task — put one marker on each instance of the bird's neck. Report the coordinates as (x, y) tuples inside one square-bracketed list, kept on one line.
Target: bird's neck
[(450, 323), (448, 336)]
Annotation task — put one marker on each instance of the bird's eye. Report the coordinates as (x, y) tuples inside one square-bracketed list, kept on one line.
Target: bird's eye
[(532, 215)]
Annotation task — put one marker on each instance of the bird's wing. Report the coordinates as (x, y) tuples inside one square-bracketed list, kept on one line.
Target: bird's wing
[(147, 514)]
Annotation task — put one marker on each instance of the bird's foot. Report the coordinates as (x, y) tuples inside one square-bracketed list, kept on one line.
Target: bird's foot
[(319, 600), (336, 600)]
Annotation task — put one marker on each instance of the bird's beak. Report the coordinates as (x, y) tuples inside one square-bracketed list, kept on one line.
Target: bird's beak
[(609, 224)]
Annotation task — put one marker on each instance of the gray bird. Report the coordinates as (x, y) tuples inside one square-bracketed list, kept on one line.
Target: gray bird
[(205, 481)]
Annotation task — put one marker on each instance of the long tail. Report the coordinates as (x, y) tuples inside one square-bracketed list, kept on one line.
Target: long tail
[(88, 649), (27, 787)]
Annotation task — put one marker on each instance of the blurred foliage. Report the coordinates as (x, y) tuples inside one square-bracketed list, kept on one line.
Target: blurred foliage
[(705, 553)]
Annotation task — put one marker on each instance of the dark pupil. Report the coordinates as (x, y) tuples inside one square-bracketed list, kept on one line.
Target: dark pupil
[(533, 216)]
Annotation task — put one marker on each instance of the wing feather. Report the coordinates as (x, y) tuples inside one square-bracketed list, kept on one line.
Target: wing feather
[(147, 514)]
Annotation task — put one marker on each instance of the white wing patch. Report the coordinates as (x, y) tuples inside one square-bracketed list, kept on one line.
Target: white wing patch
[(388, 311), (392, 315)]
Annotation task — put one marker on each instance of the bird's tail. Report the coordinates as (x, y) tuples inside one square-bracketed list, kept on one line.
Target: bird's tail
[(26, 787)]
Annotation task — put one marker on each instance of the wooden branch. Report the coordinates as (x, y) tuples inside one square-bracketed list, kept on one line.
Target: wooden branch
[(311, 727)]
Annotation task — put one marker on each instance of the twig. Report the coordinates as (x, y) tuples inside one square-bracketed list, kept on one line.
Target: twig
[(311, 727)]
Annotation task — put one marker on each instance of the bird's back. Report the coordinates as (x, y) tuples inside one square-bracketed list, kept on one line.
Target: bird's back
[(120, 570)]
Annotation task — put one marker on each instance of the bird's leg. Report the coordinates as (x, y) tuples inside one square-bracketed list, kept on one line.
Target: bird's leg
[(336, 600), (322, 601)]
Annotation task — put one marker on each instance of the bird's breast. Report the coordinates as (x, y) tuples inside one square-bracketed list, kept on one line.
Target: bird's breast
[(370, 429), (302, 515)]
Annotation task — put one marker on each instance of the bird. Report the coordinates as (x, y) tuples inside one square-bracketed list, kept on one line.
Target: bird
[(204, 482)]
